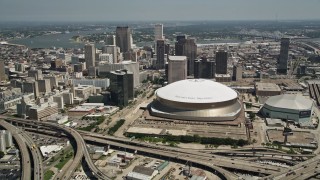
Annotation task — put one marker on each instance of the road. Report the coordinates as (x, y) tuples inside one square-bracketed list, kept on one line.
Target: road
[(80, 150), (36, 156), (25, 157)]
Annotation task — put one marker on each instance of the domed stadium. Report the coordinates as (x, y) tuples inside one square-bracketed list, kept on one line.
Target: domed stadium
[(288, 106), (196, 100)]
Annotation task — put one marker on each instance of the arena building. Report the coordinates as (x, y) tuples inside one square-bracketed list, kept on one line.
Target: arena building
[(196, 100), (288, 106)]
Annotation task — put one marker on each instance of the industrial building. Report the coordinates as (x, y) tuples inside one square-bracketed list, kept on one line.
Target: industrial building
[(202, 100)]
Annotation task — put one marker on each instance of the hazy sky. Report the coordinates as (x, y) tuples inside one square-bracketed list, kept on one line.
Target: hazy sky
[(157, 10)]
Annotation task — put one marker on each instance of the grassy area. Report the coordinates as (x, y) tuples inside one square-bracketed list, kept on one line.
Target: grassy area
[(115, 128), (48, 175), (64, 160), (93, 125)]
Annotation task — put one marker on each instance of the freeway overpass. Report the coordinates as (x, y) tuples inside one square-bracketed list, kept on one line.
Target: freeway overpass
[(25, 157), (80, 149)]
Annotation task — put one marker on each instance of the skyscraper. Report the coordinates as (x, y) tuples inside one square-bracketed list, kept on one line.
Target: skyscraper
[(177, 68), (204, 69), (190, 50), (114, 50), (90, 55), (123, 38), (179, 45), (160, 54), (2, 71), (158, 32), (237, 72), (221, 62), (110, 40), (121, 87), (283, 57)]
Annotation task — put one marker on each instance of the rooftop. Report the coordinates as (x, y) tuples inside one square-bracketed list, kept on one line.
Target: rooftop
[(290, 101), (267, 87), (197, 91), (177, 58)]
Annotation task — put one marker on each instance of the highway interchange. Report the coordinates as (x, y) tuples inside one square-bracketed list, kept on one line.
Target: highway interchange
[(212, 161)]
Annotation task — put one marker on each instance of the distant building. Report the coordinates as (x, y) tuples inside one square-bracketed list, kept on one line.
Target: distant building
[(237, 72), (204, 69), (179, 45), (282, 67), (121, 87), (123, 38), (2, 71), (114, 50), (141, 173), (90, 55), (8, 139), (3, 146), (160, 54), (190, 50), (177, 68), (59, 100), (110, 40), (36, 73), (104, 70), (158, 32), (44, 86), (103, 83), (221, 62)]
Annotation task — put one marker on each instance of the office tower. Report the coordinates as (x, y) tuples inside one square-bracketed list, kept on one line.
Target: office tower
[(204, 69), (59, 100), (36, 73), (92, 71), (2, 71), (19, 67), (110, 40), (158, 32), (130, 55), (53, 81), (283, 57), (77, 68), (237, 72), (44, 86), (179, 45), (74, 59), (114, 50), (177, 68), (3, 141), (8, 139), (104, 70), (190, 50), (121, 87), (160, 54), (123, 38), (90, 55), (221, 62), (31, 87)]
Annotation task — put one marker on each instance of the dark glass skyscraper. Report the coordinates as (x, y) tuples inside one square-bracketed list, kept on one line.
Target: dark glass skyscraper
[(123, 38), (221, 62), (204, 69), (160, 54), (283, 57), (121, 86)]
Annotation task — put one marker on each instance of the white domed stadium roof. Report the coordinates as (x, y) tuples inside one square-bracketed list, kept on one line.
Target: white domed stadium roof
[(290, 101), (197, 91)]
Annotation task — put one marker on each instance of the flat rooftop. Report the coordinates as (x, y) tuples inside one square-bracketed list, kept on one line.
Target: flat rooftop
[(267, 87), (177, 58)]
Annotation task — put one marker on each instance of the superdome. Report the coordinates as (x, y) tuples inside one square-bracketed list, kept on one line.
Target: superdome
[(196, 99), (197, 91)]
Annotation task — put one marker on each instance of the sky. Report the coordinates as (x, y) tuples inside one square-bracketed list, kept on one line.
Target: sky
[(157, 10)]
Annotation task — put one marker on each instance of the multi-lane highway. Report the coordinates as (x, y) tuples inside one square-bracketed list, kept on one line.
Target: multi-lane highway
[(36, 156), (25, 157), (81, 149)]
